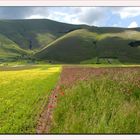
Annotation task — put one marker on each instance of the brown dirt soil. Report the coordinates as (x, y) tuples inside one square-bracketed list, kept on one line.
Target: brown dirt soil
[(69, 76)]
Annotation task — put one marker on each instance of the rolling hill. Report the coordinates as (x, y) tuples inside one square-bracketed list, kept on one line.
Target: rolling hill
[(32, 35), (96, 44), (38, 32), (9, 49), (67, 43)]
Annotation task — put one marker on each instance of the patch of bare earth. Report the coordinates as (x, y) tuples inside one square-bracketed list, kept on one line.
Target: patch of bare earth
[(69, 76)]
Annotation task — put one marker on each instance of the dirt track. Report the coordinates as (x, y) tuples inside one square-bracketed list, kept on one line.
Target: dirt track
[(68, 77)]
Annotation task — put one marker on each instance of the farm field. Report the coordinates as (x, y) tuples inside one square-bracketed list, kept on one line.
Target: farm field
[(69, 99), (97, 100), (24, 90)]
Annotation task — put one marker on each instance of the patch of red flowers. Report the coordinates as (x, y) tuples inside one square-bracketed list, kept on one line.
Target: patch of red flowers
[(62, 93), (50, 106)]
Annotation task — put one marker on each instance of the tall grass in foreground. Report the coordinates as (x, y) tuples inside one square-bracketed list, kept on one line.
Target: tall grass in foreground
[(22, 96), (109, 103)]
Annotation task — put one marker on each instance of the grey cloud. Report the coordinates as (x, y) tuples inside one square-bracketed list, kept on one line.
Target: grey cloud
[(99, 16), (89, 15), (21, 12), (15, 12), (92, 15)]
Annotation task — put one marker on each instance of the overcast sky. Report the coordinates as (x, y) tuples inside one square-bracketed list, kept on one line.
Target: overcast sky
[(98, 16)]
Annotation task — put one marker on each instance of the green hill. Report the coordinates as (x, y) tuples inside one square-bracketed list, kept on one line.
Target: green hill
[(35, 32), (68, 43), (94, 44), (27, 35), (9, 49)]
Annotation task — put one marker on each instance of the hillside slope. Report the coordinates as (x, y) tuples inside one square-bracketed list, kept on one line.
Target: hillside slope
[(9, 49), (94, 43), (68, 43), (34, 33)]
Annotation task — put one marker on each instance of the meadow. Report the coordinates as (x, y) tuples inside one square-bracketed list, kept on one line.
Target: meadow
[(98, 100), (24, 90)]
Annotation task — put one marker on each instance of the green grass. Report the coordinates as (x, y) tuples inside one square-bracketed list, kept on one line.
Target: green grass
[(109, 103), (73, 47), (45, 39), (109, 65), (9, 49), (24, 90), (21, 31), (77, 47), (101, 61)]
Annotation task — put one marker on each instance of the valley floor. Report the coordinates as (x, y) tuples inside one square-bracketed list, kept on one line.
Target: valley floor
[(76, 99)]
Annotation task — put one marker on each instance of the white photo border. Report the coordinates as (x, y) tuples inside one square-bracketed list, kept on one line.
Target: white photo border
[(69, 2), (84, 3), (70, 137)]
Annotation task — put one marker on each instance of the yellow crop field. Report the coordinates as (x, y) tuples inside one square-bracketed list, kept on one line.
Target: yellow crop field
[(23, 92)]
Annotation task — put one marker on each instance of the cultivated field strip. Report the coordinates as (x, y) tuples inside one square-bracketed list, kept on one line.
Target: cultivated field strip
[(92, 100), (23, 94)]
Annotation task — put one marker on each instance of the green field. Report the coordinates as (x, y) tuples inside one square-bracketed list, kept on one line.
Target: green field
[(109, 102), (24, 90)]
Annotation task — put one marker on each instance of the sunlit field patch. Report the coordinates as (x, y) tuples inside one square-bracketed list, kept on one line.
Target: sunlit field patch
[(23, 93)]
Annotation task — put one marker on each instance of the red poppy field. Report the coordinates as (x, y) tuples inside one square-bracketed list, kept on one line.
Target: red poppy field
[(93, 100)]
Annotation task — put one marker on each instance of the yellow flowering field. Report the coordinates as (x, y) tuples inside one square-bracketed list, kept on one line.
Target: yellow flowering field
[(23, 92)]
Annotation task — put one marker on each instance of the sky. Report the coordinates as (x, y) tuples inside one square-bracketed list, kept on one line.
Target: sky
[(94, 16)]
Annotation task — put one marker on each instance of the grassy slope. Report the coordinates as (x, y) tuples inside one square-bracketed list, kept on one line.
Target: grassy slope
[(9, 49), (116, 45), (71, 47), (77, 46), (65, 45), (108, 103), (23, 92), (40, 31)]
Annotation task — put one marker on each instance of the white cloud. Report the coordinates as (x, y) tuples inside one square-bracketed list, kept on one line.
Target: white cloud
[(92, 15), (127, 12), (74, 15), (115, 25), (36, 17), (98, 16), (133, 24)]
